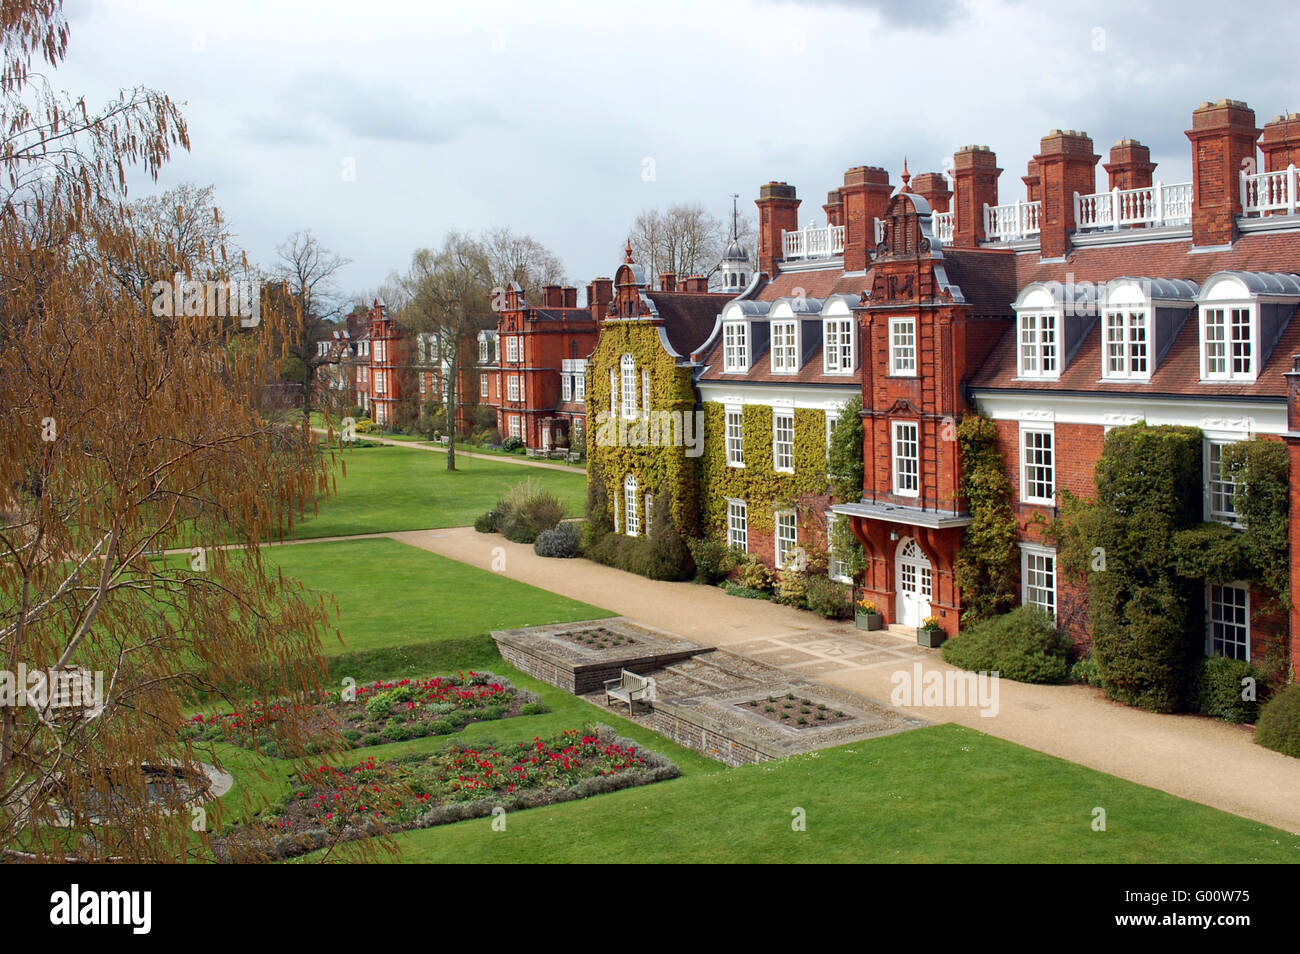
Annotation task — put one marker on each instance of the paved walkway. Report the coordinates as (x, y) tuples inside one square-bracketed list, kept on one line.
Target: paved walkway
[(499, 458), (1189, 756)]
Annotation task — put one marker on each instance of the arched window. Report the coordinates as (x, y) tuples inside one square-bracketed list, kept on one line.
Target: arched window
[(631, 519), (628, 396)]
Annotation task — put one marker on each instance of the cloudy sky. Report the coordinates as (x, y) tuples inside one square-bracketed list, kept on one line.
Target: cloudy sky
[(381, 125)]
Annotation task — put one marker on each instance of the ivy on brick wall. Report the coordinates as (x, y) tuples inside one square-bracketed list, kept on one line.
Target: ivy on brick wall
[(670, 390), (1261, 470), (757, 482), (988, 561)]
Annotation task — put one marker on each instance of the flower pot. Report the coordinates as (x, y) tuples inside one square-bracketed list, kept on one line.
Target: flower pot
[(869, 621), (930, 638)]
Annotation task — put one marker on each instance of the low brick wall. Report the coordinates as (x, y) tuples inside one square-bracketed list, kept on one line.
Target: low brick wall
[(706, 741)]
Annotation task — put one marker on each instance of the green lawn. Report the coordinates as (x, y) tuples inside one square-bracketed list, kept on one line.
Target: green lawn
[(398, 488), (941, 794), (393, 597)]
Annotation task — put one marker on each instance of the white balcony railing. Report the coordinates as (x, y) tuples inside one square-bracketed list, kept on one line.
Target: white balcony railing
[(1152, 206), (813, 242), (943, 226), (1006, 223), (1270, 192)]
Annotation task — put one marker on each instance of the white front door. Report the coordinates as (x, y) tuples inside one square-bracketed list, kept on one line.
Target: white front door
[(915, 583)]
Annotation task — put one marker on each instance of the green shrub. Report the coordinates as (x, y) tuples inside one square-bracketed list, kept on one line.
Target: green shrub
[(744, 592), (442, 727), (1023, 645), (829, 598), (512, 444), (1279, 722), (486, 523), (562, 541), (714, 560), (792, 588), (753, 575), (1086, 671), (1219, 689), (534, 708), (526, 510), (661, 556)]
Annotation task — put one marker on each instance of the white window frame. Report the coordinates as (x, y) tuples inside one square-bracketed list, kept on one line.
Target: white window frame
[(836, 568), (783, 450), (785, 346), (1132, 344), (903, 486), (646, 403), (1030, 441), (838, 346), (734, 438), (735, 347), (631, 520), (515, 426), (483, 351), (738, 524), (1213, 513), (832, 419), (566, 387), (512, 349), (483, 386), (627, 386), (904, 347), (580, 387), (1215, 617), (513, 389), (1038, 351), (1038, 580), (1230, 311), (782, 544)]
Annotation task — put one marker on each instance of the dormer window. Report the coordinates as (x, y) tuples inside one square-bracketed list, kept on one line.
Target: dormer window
[(1228, 343), (837, 352), (785, 346), (1125, 348), (1038, 355), (735, 346)]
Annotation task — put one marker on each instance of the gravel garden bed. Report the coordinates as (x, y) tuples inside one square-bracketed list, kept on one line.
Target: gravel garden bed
[(376, 714), (348, 802), (599, 638), (798, 712)]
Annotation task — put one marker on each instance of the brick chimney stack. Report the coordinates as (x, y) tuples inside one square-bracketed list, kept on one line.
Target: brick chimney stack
[(778, 211), (668, 281), (1130, 165), (695, 285), (599, 294), (552, 296), (1223, 138), (1033, 182), (866, 192), (834, 208), (570, 296), (1066, 165), (933, 187), (1281, 142), (974, 185)]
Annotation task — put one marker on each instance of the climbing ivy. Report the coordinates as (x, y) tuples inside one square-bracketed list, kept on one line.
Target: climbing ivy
[(988, 560), (670, 390), (757, 482), (1261, 471)]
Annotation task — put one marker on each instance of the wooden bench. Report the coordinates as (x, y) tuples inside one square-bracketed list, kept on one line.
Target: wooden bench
[(629, 688)]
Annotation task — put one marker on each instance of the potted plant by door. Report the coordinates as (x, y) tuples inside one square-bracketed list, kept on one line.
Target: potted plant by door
[(866, 616), (929, 634)]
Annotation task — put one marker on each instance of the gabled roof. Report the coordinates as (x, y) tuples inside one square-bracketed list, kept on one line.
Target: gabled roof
[(687, 318)]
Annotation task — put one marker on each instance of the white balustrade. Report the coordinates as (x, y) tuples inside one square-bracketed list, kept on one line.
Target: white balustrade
[(944, 223), (1005, 223), (813, 242), (1153, 206), (1269, 192)]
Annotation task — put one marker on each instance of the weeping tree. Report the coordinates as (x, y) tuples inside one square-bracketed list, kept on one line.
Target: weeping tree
[(128, 427)]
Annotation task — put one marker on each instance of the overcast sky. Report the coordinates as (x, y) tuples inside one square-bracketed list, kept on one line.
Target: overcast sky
[(381, 125)]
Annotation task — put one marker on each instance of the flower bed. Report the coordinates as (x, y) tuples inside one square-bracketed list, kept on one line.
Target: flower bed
[(343, 803), (794, 711), (598, 638), (378, 713)]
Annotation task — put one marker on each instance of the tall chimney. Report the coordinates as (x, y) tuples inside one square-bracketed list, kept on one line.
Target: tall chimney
[(695, 285), (1281, 142), (1033, 181), (1066, 165), (933, 187), (569, 296), (1223, 138), (866, 192), (668, 281), (778, 211), (599, 294), (834, 208), (974, 185), (1130, 165), (552, 296)]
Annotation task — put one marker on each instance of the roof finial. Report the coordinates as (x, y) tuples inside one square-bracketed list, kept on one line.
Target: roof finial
[(627, 254), (735, 218), (906, 177)]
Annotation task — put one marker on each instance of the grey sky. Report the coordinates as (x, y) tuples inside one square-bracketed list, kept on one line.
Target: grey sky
[(542, 116)]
